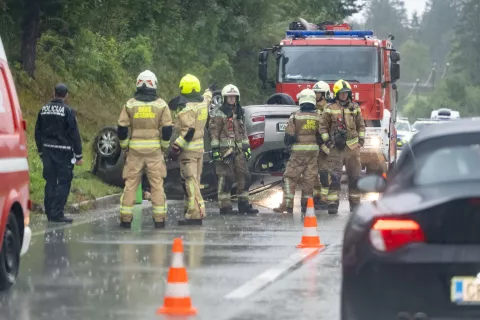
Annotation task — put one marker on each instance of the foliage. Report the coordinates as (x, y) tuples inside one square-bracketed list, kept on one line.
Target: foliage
[(415, 60)]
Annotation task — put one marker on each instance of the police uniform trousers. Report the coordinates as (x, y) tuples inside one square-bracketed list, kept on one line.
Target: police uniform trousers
[(153, 163), (191, 166), (58, 175), (335, 162), (301, 167), (227, 174)]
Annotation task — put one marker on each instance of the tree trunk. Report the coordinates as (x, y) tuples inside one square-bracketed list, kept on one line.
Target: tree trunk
[(30, 35)]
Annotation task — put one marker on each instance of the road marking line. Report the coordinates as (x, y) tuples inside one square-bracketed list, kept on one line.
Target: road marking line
[(269, 276)]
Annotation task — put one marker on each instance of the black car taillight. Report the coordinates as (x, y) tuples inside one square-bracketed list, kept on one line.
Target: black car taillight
[(389, 234)]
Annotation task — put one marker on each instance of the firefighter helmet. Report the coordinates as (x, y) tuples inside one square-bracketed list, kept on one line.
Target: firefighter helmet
[(189, 84), (148, 79), (322, 87), (230, 91), (307, 96), (342, 86)]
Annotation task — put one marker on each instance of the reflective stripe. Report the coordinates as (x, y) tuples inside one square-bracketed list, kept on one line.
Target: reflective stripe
[(309, 231), (54, 146), (325, 136), (226, 143), (215, 142), (144, 144), (126, 210), (333, 111), (305, 147), (177, 260), (324, 192), (352, 141), (306, 117), (244, 195), (159, 210), (177, 290), (246, 141), (361, 134), (180, 142), (10, 165), (146, 104), (124, 143), (195, 145), (325, 149), (332, 197), (355, 111), (165, 144)]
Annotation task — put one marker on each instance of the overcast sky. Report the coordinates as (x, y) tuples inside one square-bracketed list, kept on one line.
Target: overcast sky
[(410, 5)]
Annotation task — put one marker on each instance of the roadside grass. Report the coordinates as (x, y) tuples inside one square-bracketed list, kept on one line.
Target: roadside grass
[(94, 111)]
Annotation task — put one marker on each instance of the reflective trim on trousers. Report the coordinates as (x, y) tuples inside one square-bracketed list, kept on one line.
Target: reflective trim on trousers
[(144, 144), (332, 197), (124, 143), (215, 143), (194, 145), (159, 210), (351, 142), (126, 210), (287, 196), (324, 192), (305, 147)]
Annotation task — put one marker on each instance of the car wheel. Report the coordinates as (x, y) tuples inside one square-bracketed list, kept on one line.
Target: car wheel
[(107, 144), (281, 98), (10, 254)]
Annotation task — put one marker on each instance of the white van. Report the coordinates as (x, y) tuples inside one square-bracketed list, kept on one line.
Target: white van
[(445, 114)]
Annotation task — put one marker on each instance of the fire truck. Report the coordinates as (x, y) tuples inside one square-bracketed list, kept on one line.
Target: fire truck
[(330, 52)]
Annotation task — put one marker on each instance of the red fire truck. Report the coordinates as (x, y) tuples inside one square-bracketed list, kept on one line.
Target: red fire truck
[(330, 52)]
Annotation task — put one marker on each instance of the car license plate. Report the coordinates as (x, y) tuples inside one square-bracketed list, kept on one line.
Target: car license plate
[(465, 290), (282, 126)]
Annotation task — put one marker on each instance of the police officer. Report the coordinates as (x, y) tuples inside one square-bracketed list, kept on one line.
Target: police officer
[(59, 145), (231, 151), (150, 123), (191, 116), (320, 192), (301, 137), (343, 130)]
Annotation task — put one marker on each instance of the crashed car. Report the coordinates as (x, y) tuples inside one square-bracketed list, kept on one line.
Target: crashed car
[(265, 126)]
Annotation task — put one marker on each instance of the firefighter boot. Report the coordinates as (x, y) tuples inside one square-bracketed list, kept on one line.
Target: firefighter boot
[(320, 205), (159, 224), (333, 208), (353, 206), (228, 211), (244, 207), (283, 208)]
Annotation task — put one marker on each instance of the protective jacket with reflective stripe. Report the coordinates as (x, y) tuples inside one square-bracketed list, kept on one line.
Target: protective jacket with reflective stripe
[(350, 117), (145, 120), (304, 126), (192, 115), (227, 130)]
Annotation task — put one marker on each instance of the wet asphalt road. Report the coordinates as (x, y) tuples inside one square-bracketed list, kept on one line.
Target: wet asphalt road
[(95, 270)]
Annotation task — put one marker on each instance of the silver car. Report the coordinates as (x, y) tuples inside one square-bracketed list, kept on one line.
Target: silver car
[(265, 126)]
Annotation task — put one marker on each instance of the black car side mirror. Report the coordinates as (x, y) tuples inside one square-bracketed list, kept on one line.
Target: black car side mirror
[(372, 183)]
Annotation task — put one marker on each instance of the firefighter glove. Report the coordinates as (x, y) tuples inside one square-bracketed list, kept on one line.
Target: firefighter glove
[(361, 141), (248, 153), (216, 155)]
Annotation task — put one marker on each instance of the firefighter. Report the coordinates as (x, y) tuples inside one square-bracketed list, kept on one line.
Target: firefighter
[(231, 151), (343, 130), (60, 147), (150, 123), (302, 139), (191, 115)]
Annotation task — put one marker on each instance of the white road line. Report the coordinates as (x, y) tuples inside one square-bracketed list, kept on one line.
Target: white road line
[(269, 276)]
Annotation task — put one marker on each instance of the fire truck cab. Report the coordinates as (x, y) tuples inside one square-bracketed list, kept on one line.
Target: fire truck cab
[(330, 52)]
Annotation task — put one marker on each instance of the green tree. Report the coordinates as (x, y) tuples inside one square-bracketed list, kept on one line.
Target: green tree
[(415, 61)]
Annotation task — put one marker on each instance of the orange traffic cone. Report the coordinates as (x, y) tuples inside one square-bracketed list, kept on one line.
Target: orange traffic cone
[(177, 298), (310, 238)]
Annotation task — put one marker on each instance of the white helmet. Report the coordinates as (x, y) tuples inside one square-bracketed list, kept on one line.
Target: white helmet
[(307, 96), (148, 78), (323, 87), (230, 90)]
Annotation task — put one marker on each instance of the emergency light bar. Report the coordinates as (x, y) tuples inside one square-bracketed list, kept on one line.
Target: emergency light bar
[(313, 33)]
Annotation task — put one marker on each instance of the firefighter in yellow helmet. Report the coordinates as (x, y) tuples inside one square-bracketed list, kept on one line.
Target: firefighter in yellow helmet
[(190, 117), (301, 138), (231, 151), (150, 123), (343, 131), (320, 192)]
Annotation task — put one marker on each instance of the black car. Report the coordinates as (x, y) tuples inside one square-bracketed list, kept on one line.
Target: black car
[(415, 252)]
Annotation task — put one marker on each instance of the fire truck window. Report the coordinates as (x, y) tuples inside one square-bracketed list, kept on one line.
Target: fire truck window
[(357, 64), (6, 116)]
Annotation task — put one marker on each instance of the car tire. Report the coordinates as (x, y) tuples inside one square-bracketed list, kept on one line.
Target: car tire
[(281, 98), (10, 254), (107, 144)]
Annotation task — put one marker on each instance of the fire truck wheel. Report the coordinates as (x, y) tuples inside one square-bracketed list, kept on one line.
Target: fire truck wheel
[(10, 253), (281, 98)]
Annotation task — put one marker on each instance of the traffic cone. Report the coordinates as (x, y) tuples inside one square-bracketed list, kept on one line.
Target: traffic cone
[(310, 238), (177, 298)]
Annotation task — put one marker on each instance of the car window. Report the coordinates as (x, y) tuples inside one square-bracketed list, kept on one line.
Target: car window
[(456, 163), (6, 116), (402, 126)]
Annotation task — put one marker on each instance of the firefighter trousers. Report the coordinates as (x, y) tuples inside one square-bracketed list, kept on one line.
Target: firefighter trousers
[(154, 165), (335, 162), (320, 189), (236, 171), (191, 166), (58, 175), (301, 168)]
